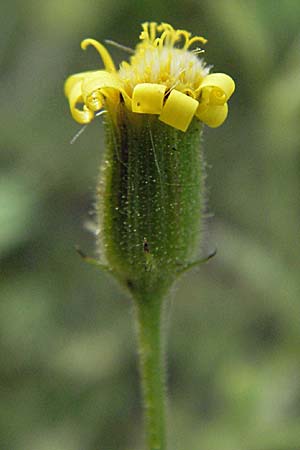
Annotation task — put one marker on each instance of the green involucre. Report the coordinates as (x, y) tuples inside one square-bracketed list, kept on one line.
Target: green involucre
[(150, 200)]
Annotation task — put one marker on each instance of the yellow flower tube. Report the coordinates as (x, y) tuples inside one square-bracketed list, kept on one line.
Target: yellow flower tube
[(179, 110), (220, 81), (148, 98)]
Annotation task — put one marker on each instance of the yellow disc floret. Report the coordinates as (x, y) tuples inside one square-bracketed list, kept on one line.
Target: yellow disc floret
[(163, 77)]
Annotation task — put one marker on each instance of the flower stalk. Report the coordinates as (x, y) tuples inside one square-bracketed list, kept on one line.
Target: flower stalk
[(151, 195), (149, 313)]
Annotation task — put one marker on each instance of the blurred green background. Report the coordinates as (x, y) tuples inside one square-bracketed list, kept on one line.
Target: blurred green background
[(68, 374)]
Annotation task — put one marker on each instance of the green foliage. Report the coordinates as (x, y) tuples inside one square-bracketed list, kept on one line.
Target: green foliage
[(68, 373)]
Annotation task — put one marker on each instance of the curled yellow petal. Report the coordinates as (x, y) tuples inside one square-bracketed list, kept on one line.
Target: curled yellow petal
[(93, 89), (74, 91), (102, 85), (212, 115), (73, 79), (179, 110), (212, 96), (106, 58), (75, 97), (219, 81), (217, 96), (148, 98)]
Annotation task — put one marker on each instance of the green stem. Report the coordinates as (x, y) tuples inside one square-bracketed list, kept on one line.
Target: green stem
[(152, 369)]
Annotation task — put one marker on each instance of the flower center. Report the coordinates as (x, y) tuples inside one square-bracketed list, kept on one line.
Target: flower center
[(172, 67), (157, 60)]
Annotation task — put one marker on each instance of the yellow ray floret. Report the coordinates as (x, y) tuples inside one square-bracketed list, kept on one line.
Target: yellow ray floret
[(160, 79), (106, 58), (148, 98), (178, 110)]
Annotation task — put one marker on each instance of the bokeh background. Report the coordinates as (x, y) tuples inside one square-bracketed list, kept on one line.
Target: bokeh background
[(68, 372)]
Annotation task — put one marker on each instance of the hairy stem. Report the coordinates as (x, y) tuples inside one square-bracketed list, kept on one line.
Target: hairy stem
[(152, 369)]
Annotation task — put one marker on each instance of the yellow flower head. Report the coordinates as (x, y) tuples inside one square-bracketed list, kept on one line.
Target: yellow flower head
[(163, 77)]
